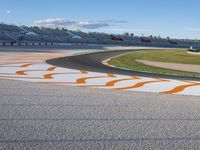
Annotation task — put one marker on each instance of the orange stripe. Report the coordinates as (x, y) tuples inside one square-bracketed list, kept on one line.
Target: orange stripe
[(60, 82), (190, 81), (112, 83), (180, 88), (83, 80), (51, 68), (22, 72), (140, 84), (26, 65), (50, 76)]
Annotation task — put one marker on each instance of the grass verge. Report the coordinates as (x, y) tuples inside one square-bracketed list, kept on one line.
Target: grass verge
[(174, 56)]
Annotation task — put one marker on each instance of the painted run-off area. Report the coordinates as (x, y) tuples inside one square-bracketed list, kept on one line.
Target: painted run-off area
[(32, 67)]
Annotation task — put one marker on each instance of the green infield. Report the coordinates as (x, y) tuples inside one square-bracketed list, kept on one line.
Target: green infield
[(129, 61)]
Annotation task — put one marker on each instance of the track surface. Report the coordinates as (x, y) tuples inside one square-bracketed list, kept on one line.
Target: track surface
[(46, 116), (31, 67), (43, 116), (93, 62)]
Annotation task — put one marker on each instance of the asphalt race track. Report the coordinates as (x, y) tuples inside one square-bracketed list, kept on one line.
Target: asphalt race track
[(51, 107), (43, 116), (93, 62)]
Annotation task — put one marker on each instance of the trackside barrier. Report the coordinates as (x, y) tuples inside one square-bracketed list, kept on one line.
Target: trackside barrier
[(44, 44), (79, 43), (32, 44)]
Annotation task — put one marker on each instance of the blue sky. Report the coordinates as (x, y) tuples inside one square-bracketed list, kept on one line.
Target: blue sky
[(174, 18)]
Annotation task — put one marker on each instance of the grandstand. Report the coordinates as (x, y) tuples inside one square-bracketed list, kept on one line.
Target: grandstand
[(23, 34)]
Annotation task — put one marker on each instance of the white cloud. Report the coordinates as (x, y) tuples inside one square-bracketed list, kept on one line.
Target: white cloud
[(192, 29), (130, 30), (92, 24), (8, 12)]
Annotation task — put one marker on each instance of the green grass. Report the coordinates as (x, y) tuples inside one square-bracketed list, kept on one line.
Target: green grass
[(173, 56)]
